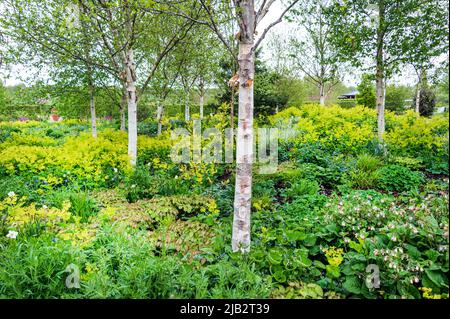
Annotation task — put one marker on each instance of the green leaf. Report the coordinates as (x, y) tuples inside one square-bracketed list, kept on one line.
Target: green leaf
[(413, 251), (275, 256), (310, 240), (437, 277), (333, 271), (352, 285)]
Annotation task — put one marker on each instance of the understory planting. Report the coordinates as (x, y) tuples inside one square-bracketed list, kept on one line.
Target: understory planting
[(339, 218)]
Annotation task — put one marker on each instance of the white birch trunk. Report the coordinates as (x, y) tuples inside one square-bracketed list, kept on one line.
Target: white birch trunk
[(159, 118), (380, 100), (93, 113), (244, 143), (123, 104), (322, 94), (380, 106), (187, 115), (418, 98), (132, 106), (202, 103)]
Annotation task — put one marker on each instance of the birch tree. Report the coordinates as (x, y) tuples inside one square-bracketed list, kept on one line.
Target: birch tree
[(312, 52), (247, 17), (137, 40), (381, 32), (53, 35)]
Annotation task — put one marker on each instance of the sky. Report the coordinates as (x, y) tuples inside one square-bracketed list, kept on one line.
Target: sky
[(281, 31)]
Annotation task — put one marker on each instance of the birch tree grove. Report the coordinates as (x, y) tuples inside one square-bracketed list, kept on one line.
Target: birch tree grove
[(125, 29)]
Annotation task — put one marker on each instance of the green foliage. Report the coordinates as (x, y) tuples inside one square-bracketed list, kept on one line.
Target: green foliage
[(83, 206), (346, 104), (365, 174), (300, 188), (427, 101), (399, 178), (396, 97), (366, 89), (36, 268), (143, 184), (170, 225)]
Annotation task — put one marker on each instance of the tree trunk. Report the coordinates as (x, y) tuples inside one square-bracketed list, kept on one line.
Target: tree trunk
[(92, 107), (159, 118), (122, 106), (132, 106), (322, 94), (187, 115), (202, 104), (380, 104), (232, 110), (418, 98), (244, 144), (380, 73)]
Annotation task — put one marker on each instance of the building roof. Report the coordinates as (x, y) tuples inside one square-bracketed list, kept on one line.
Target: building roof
[(354, 92)]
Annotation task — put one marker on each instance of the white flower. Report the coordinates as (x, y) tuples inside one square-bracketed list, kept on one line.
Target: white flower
[(12, 234), (115, 170), (44, 206), (11, 194), (393, 238), (416, 280)]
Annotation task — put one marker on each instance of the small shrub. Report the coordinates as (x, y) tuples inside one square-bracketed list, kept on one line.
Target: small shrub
[(300, 188), (365, 175), (143, 184), (367, 163), (398, 178), (83, 206)]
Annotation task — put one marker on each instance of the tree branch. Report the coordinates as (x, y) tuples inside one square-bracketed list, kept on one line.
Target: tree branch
[(279, 20)]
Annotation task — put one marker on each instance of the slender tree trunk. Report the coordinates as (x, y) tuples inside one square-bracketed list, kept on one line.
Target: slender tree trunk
[(123, 104), (322, 94), (202, 104), (380, 73), (232, 110), (418, 98), (244, 144), (132, 106), (187, 115), (159, 112), (92, 107), (380, 104)]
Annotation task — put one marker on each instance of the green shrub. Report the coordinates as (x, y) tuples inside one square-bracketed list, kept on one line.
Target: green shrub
[(36, 268), (412, 163), (83, 206), (346, 104), (365, 175), (398, 178), (367, 163), (300, 188), (427, 101), (144, 184)]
